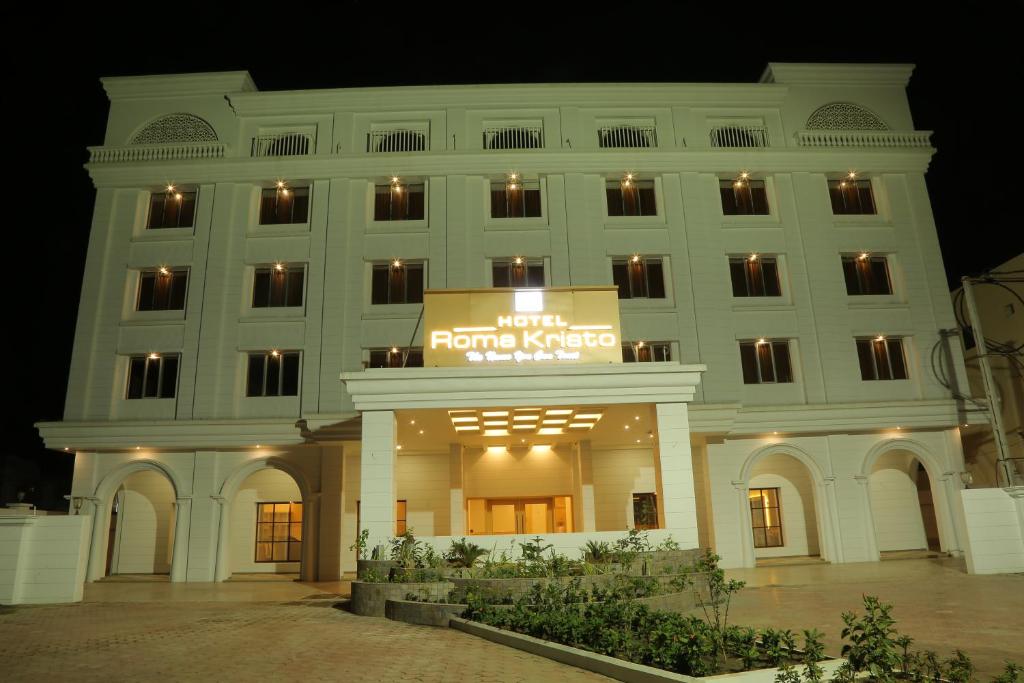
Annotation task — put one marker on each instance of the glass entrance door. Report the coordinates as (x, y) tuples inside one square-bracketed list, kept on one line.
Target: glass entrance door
[(520, 515)]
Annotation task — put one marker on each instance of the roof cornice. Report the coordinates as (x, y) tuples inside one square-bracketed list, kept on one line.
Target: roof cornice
[(837, 74), (177, 85)]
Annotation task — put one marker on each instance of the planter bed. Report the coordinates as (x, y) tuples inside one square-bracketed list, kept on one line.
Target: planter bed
[(518, 587), (368, 599), (618, 669)]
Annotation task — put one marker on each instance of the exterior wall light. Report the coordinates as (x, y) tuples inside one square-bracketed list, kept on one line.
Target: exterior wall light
[(762, 340), (163, 270), (518, 260), (275, 353), (397, 263), (753, 257), (627, 180), (154, 356), (744, 175), (279, 267), (852, 175), (636, 258), (880, 338), (170, 188), (863, 256)]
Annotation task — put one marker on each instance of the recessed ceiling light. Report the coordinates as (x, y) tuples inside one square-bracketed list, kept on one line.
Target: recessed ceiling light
[(559, 412), (550, 430), (495, 413), (495, 432)]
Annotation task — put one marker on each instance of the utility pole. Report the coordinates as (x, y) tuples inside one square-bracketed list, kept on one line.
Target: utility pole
[(994, 405)]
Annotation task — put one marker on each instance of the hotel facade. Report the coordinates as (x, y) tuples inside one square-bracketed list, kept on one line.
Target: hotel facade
[(712, 311)]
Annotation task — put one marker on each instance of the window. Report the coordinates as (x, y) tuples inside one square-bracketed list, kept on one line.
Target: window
[(627, 137), (766, 361), (397, 282), (513, 199), (396, 140), (766, 518), (162, 289), (514, 137), (395, 357), (518, 272), (881, 358), (851, 196), (629, 197), (273, 373), (282, 205), (278, 532), (397, 202), (152, 376), (754, 275), (401, 517), (278, 285), (639, 277), (646, 352), (171, 209), (743, 197), (645, 511), (866, 274)]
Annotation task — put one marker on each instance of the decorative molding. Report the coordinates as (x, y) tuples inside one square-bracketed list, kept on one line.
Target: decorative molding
[(179, 127), (124, 435), (844, 116)]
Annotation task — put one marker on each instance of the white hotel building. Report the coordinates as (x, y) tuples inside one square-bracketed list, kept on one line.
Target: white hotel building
[(744, 281)]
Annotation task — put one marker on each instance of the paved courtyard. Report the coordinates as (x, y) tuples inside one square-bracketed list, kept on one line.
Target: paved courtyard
[(291, 631)]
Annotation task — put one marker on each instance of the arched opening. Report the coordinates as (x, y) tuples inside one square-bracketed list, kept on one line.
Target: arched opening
[(783, 508), (902, 504), (140, 535), (266, 527)]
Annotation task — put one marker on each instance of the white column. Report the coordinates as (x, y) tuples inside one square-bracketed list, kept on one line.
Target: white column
[(746, 527), (951, 485), (310, 538), (179, 554), (97, 556), (871, 553), (457, 495), (676, 463), (221, 571), (377, 476)]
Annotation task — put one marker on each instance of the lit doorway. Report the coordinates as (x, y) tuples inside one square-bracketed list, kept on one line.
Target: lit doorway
[(519, 515)]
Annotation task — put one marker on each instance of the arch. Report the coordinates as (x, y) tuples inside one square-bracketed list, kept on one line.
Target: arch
[(942, 488), (824, 503), (228, 491), (179, 127), (844, 116), (102, 497)]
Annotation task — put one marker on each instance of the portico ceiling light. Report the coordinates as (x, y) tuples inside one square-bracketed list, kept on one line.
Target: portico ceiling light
[(472, 428), (502, 422), (495, 413), (550, 430), (464, 419), (588, 416), (495, 432), (559, 412)]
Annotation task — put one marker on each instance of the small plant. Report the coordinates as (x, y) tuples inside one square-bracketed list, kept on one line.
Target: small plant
[(599, 552), (1011, 674), (668, 544), (814, 652), (374, 576), (464, 554), (720, 592), (872, 646), (360, 545), (533, 550)]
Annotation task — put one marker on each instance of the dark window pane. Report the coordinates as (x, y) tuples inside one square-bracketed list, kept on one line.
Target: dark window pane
[(178, 281), (628, 355), (136, 373), (379, 289), (414, 358), (729, 206), (382, 203), (499, 209), (630, 200), (268, 205), (300, 205), (290, 375), (865, 201), (850, 273), (764, 360), (151, 386), (277, 286), (770, 271), (655, 279), (783, 369), (532, 204), (535, 275), (169, 377), (637, 278), (396, 284), (295, 280), (187, 212), (880, 276), (738, 274), (261, 288), (614, 196), (896, 359), (881, 352), (156, 211), (414, 288), (755, 277), (748, 359), (620, 277), (499, 275), (254, 385), (835, 194), (648, 205), (759, 198), (864, 355), (273, 381), (415, 203), (147, 288)]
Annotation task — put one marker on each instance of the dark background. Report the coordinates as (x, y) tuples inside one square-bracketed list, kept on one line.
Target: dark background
[(969, 71)]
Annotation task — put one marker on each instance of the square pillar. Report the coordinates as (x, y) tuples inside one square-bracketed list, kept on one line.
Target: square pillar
[(457, 525), (377, 476), (675, 462), (587, 517)]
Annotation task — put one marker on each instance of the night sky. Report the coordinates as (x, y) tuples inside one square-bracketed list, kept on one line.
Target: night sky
[(969, 72)]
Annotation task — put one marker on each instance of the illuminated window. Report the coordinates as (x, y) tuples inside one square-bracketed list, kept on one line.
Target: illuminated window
[(397, 202), (866, 274), (639, 277), (743, 197), (283, 205), (515, 199), (631, 198), (171, 209), (881, 358), (397, 282), (851, 196), (645, 511), (273, 373), (278, 532), (401, 517), (765, 518), (754, 276), (646, 352), (162, 289), (152, 376), (277, 286), (518, 272), (395, 357), (766, 361)]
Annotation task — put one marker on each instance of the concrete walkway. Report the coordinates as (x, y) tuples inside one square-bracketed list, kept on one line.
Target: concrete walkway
[(935, 602)]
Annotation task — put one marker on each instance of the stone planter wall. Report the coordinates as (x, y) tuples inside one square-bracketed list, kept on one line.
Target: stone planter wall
[(368, 599), (423, 613), (382, 567)]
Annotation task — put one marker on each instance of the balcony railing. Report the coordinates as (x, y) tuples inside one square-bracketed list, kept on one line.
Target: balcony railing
[(514, 137), (396, 140), (625, 137), (863, 138), (740, 136), (164, 152), (282, 145)]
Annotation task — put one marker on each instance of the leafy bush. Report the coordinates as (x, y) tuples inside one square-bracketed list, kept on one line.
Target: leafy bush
[(464, 554)]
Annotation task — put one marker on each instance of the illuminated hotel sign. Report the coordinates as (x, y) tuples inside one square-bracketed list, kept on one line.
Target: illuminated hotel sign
[(521, 326)]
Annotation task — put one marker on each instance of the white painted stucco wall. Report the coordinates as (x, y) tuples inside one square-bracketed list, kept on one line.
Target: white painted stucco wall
[(994, 520), (796, 503), (263, 486), (43, 559), (144, 530)]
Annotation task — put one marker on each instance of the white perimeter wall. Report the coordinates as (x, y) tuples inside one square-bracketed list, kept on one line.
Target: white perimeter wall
[(618, 474), (144, 534), (43, 559), (994, 521), (796, 504), (259, 487)]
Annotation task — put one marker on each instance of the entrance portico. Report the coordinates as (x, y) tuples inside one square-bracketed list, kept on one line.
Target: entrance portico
[(389, 398)]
